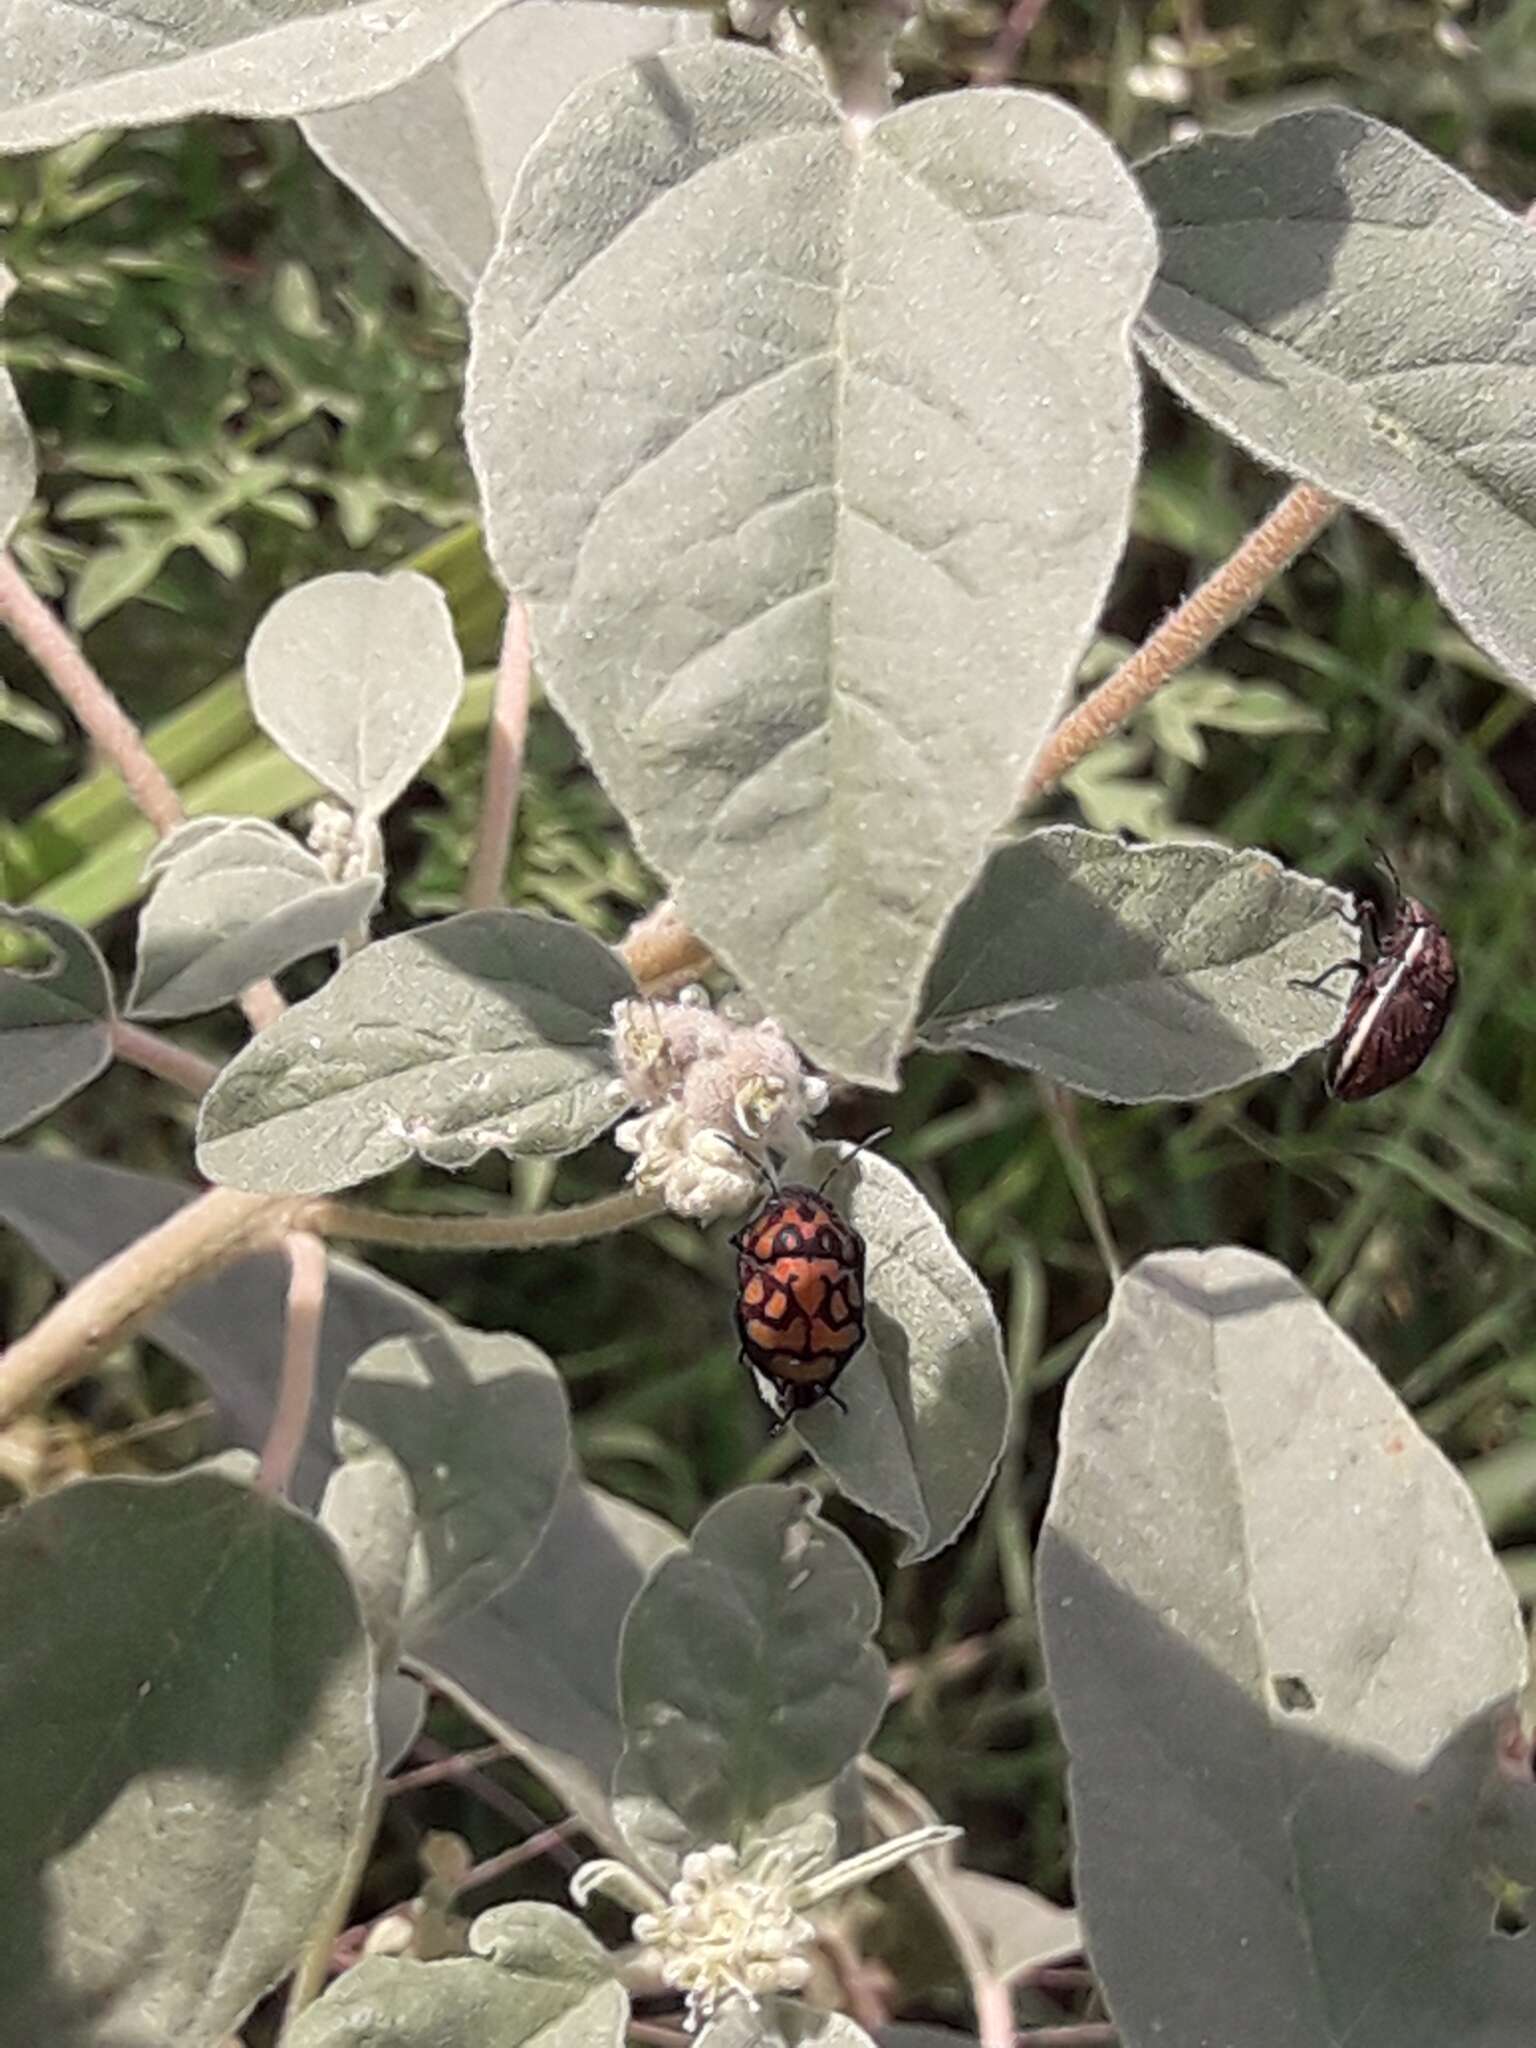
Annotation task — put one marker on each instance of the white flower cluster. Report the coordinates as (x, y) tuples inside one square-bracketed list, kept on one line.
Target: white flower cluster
[(705, 1087), (347, 847), (727, 1933)]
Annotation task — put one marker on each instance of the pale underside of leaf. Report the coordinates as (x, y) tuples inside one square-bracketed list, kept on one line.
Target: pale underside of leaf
[(1280, 1646), (234, 907), (484, 1032), (356, 678), (75, 65), (1139, 973), (436, 157), (927, 1396), (1358, 314), (813, 549)]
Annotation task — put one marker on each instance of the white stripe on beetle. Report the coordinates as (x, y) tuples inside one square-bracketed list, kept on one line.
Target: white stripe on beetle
[(1383, 996)]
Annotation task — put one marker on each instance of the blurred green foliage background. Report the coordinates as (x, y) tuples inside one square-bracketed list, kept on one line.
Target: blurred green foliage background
[(238, 380)]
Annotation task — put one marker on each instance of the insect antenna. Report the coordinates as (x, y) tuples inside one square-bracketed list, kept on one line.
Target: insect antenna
[(848, 1158)]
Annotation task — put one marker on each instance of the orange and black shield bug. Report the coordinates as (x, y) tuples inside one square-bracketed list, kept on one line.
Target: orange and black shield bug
[(1404, 992), (800, 1294), (799, 1299)]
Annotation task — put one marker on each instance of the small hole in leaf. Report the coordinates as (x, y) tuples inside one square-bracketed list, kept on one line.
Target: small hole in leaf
[(1511, 1917), (1294, 1696), (25, 950)]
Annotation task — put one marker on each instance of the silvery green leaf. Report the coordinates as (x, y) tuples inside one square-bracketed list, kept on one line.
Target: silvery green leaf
[(194, 832), (783, 2023), (537, 1979), (1015, 1929), (234, 907), (436, 157), (746, 1674), (55, 1019), (356, 677), (478, 1422), (811, 566), (185, 1683), (72, 67), (1357, 314), (1138, 973), (368, 1510), (75, 1214), (18, 460), (481, 1033), (548, 1690), (1280, 1647), (927, 1396)]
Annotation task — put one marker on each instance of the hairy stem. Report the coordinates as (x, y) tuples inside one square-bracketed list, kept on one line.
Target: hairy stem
[(506, 738), (1186, 633), (78, 1330), (62, 660), (302, 1322), (162, 1056), (582, 1220)]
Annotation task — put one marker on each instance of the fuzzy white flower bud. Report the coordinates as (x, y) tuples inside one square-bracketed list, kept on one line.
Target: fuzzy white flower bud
[(712, 1093)]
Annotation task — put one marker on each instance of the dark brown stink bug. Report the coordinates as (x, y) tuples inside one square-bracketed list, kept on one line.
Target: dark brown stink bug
[(799, 1299), (1404, 992)]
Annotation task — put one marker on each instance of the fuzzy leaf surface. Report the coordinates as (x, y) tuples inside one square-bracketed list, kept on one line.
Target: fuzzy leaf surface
[(1281, 1649), (186, 1683), (812, 551), (548, 1690), (55, 1020), (479, 1424), (436, 158), (537, 1979), (1138, 973), (1357, 313), (236, 905), (927, 1395), (746, 1674), (75, 65), (481, 1033), (356, 678), (18, 458)]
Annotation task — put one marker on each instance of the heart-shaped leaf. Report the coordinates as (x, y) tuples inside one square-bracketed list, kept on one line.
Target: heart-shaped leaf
[(482, 1033), (811, 566), (186, 1688), (479, 1424), (235, 905), (55, 1019), (1138, 973), (927, 1396), (746, 1674), (1356, 313), (356, 678), (1279, 1645)]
